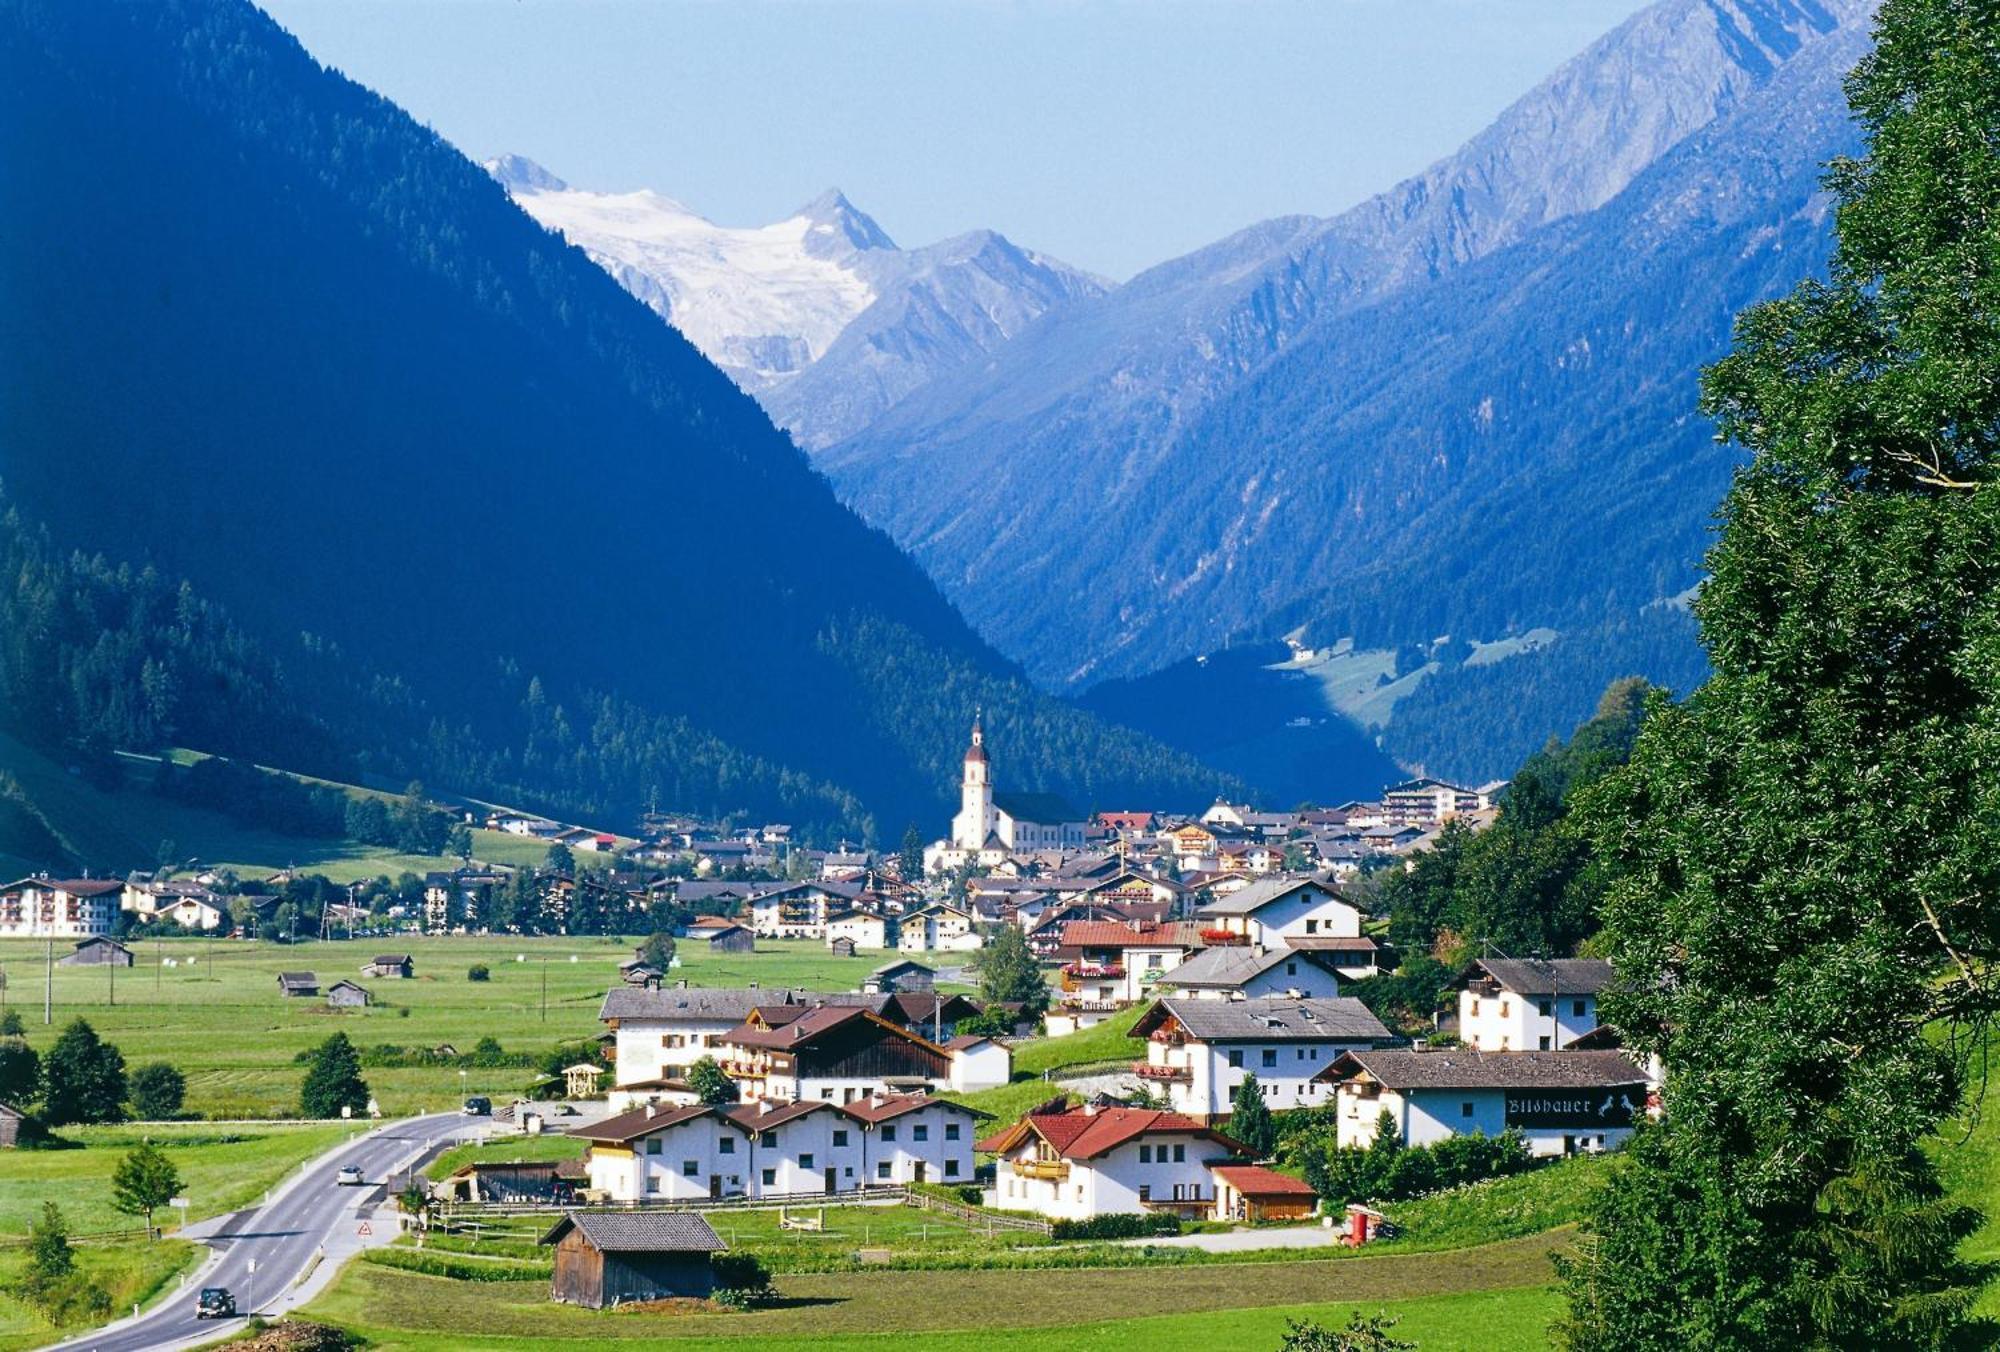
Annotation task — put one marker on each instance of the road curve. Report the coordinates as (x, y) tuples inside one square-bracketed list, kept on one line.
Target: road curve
[(309, 1217)]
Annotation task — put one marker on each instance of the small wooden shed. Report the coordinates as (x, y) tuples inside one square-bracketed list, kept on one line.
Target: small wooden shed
[(841, 946), (297, 984), (580, 1080), (11, 1119), (98, 951), (391, 965), (615, 1258), (345, 994)]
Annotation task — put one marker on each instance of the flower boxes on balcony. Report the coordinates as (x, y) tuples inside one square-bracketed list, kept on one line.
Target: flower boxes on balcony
[(1220, 938), (1094, 969), (1147, 1070)]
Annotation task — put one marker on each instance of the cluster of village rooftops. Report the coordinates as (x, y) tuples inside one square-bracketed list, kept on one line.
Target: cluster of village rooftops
[(841, 1092)]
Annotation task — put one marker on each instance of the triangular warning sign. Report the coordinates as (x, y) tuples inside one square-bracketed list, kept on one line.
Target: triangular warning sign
[(364, 1229)]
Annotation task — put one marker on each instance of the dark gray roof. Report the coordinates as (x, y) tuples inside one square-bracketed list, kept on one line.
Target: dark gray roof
[(1259, 894), (1549, 976), (1276, 1020), (640, 1231), (1046, 809), (711, 1003), (1488, 1070), (1226, 967)]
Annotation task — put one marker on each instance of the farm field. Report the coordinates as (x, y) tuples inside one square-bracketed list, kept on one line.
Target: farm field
[(222, 1167), (1499, 1290), (217, 1015)]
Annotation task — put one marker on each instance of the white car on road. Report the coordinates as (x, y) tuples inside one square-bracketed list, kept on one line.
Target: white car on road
[(349, 1177)]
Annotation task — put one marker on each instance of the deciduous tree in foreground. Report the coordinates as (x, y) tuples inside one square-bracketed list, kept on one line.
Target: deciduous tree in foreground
[(1807, 912)]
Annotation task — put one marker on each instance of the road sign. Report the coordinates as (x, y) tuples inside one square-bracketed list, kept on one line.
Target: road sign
[(364, 1230), (178, 1202)]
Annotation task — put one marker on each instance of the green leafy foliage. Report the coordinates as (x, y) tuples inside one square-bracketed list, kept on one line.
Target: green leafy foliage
[(658, 950), (709, 1083), (1807, 906), (333, 1080), (1250, 1119), (144, 1181), (20, 1072), (1117, 1225), (1363, 1333), (51, 1286), (1386, 1170), (1009, 973), (83, 1079), (157, 1091)]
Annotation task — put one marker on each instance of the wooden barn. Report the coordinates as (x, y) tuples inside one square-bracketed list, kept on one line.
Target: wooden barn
[(11, 1121), (344, 994), (606, 1259), (98, 951)]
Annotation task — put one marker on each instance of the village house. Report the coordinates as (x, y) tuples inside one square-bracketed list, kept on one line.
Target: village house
[(1199, 1051), (1519, 1004), (835, 1052), (60, 908), (97, 951), (297, 984), (1252, 972), (800, 910), (603, 1260), (659, 1033), (1272, 910), (778, 1149), (1071, 1163), (1427, 803), (862, 930), (938, 928), (1561, 1102)]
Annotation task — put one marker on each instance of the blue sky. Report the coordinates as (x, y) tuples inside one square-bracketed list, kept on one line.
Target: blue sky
[(1112, 135)]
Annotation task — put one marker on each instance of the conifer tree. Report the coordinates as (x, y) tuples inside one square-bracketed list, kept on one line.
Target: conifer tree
[(333, 1080)]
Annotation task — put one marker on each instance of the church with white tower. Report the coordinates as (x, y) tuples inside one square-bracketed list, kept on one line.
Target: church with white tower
[(990, 826)]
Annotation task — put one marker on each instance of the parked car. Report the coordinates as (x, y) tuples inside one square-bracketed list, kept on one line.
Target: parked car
[(215, 1302), (349, 1177), (478, 1106)]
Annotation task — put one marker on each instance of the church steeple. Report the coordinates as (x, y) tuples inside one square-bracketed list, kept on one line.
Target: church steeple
[(975, 819), (977, 751)]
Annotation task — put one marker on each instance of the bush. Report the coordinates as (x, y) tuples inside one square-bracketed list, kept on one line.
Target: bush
[(478, 972), (157, 1091), (741, 1280), (459, 1269), (1388, 1171), (1117, 1225)]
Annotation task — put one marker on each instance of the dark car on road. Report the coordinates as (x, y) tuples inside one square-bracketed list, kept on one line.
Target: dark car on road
[(215, 1302), (478, 1107)]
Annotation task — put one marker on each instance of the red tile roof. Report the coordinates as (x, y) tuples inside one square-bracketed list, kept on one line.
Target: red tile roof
[(1085, 1133), (1254, 1180), (872, 1110), (1115, 934), (638, 1122)]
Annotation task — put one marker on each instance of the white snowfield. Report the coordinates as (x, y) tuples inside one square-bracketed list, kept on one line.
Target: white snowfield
[(758, 302), (769, 304)]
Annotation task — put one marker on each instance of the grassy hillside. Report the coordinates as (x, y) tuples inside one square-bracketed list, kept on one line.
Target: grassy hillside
[(114, 830)]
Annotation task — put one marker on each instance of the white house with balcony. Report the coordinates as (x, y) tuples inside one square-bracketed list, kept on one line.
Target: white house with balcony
[(58, 908), (1563, 1103), (1530, 1005), (805, 1148), (659, 1033), (1252, 972), (1070, 1163), (1199, 1051), (1272, 910)]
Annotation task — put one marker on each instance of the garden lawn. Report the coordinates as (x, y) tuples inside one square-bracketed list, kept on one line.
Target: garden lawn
[(222, 1167), (1023, 1310), (217, 1015)]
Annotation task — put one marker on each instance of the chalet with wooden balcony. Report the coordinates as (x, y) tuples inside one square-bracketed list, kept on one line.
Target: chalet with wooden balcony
[(837, 1053), (1199, 1051), (1075, 1162)]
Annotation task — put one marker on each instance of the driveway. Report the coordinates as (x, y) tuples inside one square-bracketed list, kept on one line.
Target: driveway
[(1243, 1241)]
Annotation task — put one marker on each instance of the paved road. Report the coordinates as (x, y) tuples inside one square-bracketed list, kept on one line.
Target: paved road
[(309, 1224)]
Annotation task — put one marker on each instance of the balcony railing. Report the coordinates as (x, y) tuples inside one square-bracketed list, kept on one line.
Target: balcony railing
[(1080, 1004), (1195, 1203), (1147, 1070), (1052, 1171), (1095, 969)]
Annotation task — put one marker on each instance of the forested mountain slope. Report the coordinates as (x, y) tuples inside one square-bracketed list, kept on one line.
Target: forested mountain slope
[(264, 332)]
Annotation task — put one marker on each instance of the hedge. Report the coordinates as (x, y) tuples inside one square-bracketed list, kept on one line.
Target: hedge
[(459, 1269), (1117, 1225)]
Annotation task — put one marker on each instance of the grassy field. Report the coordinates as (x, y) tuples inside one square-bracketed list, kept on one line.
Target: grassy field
[(130, 1272), (222, 1167), (1036, 1309), (217, 1014)]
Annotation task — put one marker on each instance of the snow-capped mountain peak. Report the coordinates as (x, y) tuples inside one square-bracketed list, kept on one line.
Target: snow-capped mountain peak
[(769, 303), (836, 224)]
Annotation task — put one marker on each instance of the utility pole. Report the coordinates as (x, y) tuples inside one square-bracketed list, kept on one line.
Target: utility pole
[(111, 977), (49, 983), (545, 988)]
